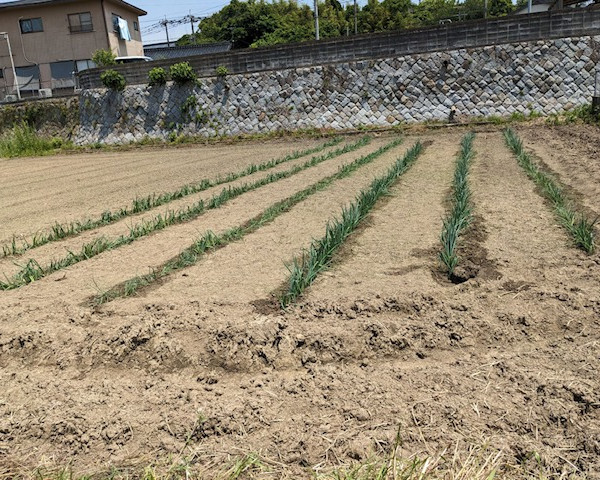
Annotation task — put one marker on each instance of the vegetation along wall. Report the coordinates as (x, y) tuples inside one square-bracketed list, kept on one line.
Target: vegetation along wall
[(51, 117), (543, 76)]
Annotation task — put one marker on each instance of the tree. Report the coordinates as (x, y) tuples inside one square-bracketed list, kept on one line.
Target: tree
[(499, 8), (472, 9), (373, 17), (400, 14), (430, 12), (104, 58), (258, 23)]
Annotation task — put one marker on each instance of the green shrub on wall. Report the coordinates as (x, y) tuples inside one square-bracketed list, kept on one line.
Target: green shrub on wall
[(104, 58), (113, 80), (157, 76), (182, 73), (221, 71)]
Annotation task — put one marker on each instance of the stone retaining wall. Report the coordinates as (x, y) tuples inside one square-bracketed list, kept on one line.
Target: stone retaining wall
[(50, 117), (543, 76)]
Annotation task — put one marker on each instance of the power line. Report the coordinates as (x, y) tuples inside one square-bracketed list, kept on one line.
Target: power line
[(174, 22)]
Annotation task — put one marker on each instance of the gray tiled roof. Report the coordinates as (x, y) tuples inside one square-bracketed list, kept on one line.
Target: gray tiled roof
[(160, 51)]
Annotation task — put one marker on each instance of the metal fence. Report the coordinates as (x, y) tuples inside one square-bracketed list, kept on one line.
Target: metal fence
[(478, 33)]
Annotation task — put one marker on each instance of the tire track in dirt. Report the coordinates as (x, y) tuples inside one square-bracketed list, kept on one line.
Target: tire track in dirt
[(32, 209), (398, 249), (53, 250), (84, 279)]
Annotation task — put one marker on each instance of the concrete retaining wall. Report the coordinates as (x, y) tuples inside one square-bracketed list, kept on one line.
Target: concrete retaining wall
[(476, 33)]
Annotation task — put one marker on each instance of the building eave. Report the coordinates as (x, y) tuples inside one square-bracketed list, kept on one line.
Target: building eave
[(21, 4)]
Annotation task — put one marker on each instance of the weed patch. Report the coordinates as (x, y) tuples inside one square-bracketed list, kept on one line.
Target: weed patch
[(22, 140)]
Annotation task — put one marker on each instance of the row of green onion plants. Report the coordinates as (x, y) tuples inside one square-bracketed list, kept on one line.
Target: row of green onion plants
[(460, 214), (32, 270), (581, 228), (60, 231), (210, 241), (304, 270)]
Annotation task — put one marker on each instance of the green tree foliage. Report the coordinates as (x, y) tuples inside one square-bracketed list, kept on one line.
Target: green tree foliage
[(431, 12), (104, 58), (498, 8), (258, 23)]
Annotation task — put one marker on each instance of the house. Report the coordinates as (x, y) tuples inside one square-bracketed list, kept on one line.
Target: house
[(537, 6), (49, 41)]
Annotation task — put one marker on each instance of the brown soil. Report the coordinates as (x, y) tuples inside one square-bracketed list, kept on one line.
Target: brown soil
[(10, 265), (36, 192), (572, 153), (193, 369)]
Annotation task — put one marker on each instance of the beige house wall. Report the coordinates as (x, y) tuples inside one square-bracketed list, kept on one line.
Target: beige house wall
[(120, 47), (56, 43)]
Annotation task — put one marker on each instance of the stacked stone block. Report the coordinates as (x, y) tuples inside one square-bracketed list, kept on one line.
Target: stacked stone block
[(544, 76)]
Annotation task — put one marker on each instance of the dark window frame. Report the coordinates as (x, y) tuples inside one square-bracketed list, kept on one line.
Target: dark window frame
[(88, 60), (83, 27), (34, 71), (136, 26), (115, 22), (32, 22)]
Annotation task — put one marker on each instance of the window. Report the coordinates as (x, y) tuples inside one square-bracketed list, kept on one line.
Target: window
[(62, 74), (1, 73), (82, 65), (80, 22), (136, 26), (115, 21), (28, 78), (31, 25)]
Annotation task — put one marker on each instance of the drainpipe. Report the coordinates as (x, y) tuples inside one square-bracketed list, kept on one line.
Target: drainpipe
[(596, 97), (105, 25), (12, 64)]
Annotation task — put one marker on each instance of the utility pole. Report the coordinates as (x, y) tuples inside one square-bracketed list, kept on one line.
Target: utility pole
[(192, 18), (355, 18), (165, 24), (316, 20), (12, 64)]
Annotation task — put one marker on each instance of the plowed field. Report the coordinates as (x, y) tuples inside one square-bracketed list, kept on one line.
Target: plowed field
[(381, 353)]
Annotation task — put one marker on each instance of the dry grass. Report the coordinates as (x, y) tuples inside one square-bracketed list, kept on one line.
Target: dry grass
[(460, 462)]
